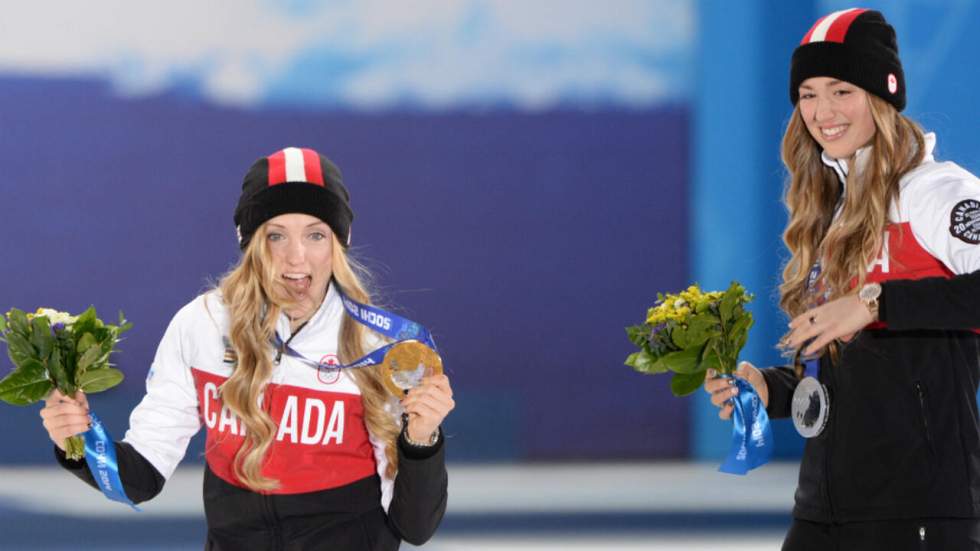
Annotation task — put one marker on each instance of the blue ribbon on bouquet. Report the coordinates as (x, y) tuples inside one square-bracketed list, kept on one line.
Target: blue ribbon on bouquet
[(100, 454), (752, 442), (387, 323)]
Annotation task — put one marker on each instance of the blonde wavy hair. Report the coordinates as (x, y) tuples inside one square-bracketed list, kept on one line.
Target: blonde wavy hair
[(845, 246), (254, 299)]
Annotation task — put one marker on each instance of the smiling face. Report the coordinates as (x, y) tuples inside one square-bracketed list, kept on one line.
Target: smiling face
[(837, 114), (301, 247)]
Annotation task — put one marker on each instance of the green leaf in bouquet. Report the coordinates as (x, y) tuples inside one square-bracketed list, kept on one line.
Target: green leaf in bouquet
[(727, 305), (100, 334), (19, 349), (26, 385), (683, 384), (711, 359), (85, 342), (683, 361), (66, 349), (123, 324), (701, 328), (85, 322), (638, 335), (18, 322), (99, 380), (3, 323), (87, 359), (106, 347), (57, 372), (678, 334), (732, 302), (41, 337), (739, 333), (644, 362)]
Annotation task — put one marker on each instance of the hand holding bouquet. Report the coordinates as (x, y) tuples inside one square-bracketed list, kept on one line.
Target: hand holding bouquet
[(55, 350), (692, 331)]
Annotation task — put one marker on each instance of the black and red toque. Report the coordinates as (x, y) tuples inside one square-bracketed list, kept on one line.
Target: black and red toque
[(293, 180), (855, 45)]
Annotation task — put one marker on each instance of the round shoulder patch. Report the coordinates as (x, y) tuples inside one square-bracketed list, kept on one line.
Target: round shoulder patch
[(964, 221)]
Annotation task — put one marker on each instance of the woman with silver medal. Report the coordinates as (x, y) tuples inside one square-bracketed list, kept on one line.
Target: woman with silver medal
[(883, 291)]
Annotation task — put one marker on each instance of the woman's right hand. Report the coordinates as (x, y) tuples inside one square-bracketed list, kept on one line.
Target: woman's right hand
[(723, 389), (64, 416)]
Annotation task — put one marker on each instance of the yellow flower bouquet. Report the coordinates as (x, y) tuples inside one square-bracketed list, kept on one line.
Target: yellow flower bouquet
[(689, 332)]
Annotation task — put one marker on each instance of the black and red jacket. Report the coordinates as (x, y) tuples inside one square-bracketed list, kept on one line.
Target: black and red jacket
[(333, 491), (903, 439)]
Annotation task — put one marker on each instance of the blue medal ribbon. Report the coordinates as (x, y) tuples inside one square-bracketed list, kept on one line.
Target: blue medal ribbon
[(387, 323), (100, 455), (811, 366), (752, 442)]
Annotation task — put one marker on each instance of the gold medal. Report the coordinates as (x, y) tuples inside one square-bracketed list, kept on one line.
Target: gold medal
[(406, 363)]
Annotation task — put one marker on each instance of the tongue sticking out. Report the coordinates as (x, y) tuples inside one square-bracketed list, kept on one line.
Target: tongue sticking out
[(297, 285)]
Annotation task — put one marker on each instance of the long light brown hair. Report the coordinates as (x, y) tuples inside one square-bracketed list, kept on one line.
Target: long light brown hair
[(254, 299), (847, 245)]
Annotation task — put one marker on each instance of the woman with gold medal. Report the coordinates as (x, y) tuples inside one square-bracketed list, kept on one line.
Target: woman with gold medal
[(322, 411)]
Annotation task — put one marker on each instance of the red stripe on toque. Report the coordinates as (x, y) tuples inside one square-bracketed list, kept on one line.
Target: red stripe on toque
[(311, 164), (838, 30), (277, 168), (806, 37)]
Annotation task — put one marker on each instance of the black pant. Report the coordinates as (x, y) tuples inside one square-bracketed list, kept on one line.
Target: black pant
[(885, 535)]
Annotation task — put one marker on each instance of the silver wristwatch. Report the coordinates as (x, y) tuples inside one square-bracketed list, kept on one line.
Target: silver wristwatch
[(416, 444), (869, 295)]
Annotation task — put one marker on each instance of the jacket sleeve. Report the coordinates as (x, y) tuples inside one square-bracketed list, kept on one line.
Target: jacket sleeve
[(163, 423), (781, 382), (421, 491), (141, 481), (932, 303), (943, 209)]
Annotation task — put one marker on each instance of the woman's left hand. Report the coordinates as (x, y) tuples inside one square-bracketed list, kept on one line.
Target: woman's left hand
[(838, 319), (427, 405)]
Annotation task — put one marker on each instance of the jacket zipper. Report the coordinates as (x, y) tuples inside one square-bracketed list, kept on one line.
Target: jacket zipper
[(925, 415)]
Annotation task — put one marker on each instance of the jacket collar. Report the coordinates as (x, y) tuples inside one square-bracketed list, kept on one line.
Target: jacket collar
[(325, 315), (862, 155)]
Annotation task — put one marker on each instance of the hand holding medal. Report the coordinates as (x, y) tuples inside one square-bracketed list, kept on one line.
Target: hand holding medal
[(413, 370), (407, 363)]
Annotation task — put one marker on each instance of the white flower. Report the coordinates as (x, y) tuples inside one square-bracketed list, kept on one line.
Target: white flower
[(679, 303), (55, 316)]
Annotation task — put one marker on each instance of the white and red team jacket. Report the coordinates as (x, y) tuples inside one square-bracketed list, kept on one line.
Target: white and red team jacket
[(934, 226), (903, 437), (323, 455)]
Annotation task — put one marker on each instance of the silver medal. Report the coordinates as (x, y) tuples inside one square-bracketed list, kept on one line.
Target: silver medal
[(811, 406)]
